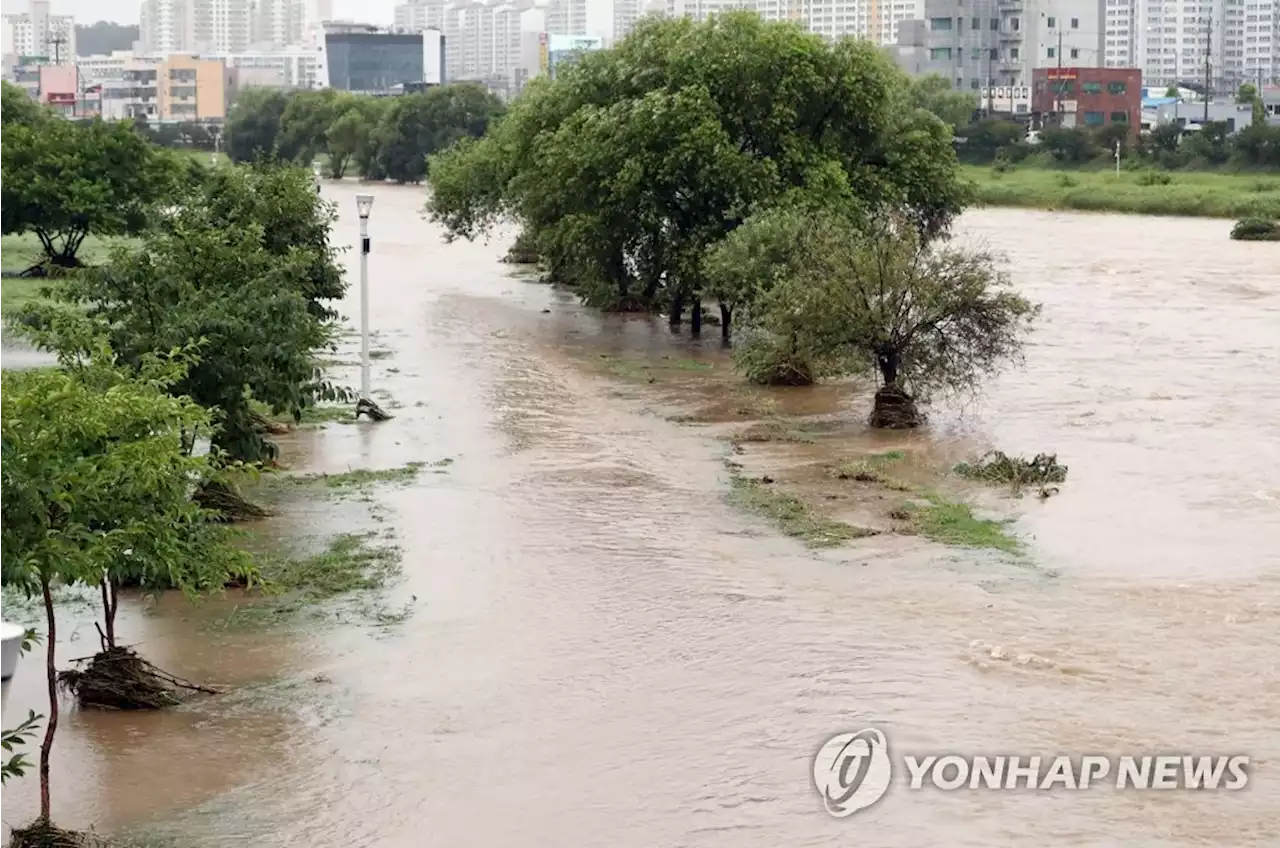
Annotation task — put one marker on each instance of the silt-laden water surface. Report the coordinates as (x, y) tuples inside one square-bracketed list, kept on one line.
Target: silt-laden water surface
[(603, 652)]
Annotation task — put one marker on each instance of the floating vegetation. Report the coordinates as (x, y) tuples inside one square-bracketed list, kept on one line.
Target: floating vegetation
[(871, 469), (119, 679), (1000, 468)]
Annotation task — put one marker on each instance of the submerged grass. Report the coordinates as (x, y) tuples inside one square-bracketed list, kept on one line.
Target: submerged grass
[(792, 516), (1205, 194), (352, 566), (953, 523), (776, 430), (871, 469)]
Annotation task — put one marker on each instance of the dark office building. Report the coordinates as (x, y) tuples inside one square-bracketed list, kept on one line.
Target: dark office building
[(373, 62)]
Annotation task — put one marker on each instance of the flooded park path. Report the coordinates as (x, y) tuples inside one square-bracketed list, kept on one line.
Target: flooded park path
[(602, 651)]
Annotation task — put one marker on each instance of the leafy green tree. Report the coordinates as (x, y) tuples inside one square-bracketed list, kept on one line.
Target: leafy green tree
[(1247, 93), (418, 125), (625, 168), (984, 140), (253, 124), (349, 134), (16, 763), (18, 108), (294, 220), (305, 120), (935, 94), (64, 181), (1069, 145), (237, 272), (877, 298), (94, 466), (1211, 144), (1173, 91)]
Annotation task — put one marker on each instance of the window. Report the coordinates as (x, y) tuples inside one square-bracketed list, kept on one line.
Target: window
[(1075, 54), (1013, 53), (1053, 22), (1115, 88), (974, 84), (994, 53), (1090, 88), (1053, 51), (1094, 119), (1064, 87), (940, 53), (995, 24), (1014, 24), (976, 23), (1075, 23), (1119, 117), (940, 24)]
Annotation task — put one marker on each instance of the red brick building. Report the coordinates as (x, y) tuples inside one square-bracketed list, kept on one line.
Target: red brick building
[(1087, 97)]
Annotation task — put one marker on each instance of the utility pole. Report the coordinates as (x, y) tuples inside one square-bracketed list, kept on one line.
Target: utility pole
[(991, 91), (57, 41), (1208, 64), (1060, 84)]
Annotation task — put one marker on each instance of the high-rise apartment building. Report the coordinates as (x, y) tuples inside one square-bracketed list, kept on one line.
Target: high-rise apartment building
[(984, 43), (567, 17), (1229, 41), (38, 32), (196, 26)]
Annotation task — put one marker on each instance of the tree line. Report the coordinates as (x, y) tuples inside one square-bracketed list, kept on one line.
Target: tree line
[(379, 138), (791, 182), (117, 462), (985, 141)]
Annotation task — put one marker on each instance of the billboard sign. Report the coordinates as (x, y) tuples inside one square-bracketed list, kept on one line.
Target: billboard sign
[(564, 50)]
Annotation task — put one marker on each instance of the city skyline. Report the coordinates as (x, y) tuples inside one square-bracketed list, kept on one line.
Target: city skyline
[(87, 12)]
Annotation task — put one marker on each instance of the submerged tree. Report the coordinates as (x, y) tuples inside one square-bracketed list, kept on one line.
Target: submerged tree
[(623, 170), (878, 298), (94, 465)]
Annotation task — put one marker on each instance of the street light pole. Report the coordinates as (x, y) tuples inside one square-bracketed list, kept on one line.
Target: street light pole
[(364, 204)]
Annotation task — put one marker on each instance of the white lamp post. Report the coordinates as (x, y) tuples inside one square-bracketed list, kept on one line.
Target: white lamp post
[(364, 205), (315, 169)]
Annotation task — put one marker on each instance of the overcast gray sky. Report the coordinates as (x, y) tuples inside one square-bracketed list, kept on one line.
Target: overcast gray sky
[(126, 11)]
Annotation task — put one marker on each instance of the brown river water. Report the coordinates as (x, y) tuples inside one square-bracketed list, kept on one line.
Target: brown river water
[(603, 652)]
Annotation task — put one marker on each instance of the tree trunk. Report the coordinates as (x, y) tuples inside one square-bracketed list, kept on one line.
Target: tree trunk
[(894, 410), (887, 362), (676, 314), (726, 323), (695, 315), (51, 673), (110, 603)]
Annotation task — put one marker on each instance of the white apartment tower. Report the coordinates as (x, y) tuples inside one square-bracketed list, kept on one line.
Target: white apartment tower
[(36, 32), (567, 17), (196, 26), (1239, 38)]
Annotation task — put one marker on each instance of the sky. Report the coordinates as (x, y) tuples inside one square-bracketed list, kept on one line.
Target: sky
[(126, 11)]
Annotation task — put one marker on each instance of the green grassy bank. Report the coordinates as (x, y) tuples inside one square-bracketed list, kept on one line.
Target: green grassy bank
[(1202, 194), (17, 253)]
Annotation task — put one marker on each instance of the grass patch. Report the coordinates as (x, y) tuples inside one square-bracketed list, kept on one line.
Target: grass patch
[(775, 431), (687, 364), (1205, 194), (953, 523), (20, 252), (380, 353), (626, 369), (17, 291), (871, 469), (361, 477), (792, 515), (315, 416), (350, 565)]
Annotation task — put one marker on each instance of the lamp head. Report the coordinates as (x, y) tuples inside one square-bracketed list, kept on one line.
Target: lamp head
[(364, 205)]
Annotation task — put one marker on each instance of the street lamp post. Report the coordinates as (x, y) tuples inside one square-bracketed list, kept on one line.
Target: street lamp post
[(315, 169), (365, 405), (364, 205)]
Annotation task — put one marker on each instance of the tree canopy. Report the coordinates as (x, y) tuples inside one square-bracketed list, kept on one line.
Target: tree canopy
[(65, 180), (384, 137), (628, 166), (239, 271)]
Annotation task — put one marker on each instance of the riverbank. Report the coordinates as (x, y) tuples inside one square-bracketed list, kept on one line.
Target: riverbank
[(1193, 194)]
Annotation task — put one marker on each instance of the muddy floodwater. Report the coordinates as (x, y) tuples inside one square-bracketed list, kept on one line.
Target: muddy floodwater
[(602, 651)]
